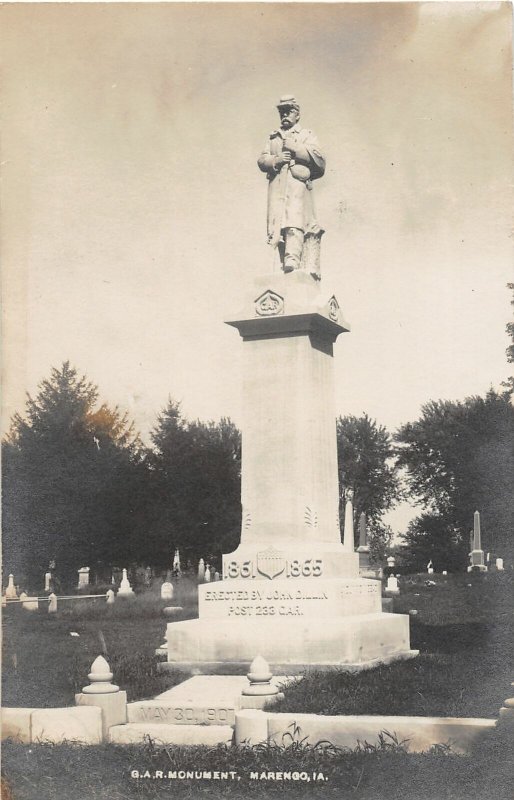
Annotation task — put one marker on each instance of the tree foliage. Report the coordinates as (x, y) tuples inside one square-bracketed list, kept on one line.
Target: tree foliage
[(367, 465), (459, 458), (509, 383), (73, 480), (196, 484)]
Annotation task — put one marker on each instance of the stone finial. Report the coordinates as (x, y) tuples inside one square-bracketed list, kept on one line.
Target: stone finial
[(507, 711), (110, 597), (259, 677), (100, 677), (52, 603)]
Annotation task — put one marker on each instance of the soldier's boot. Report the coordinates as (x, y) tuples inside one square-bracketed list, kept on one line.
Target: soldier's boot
[(293, 238)]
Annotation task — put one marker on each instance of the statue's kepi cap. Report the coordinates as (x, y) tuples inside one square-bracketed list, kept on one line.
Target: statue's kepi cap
[(288, 101)]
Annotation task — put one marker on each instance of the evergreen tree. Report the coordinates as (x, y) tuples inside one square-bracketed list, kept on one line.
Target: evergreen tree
[(73, 478), (196, 484)]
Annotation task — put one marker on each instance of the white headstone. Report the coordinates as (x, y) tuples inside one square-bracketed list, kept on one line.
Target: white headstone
[(167, 591), (216, 576), (83, 577), (207, 574), (48, 578), (110, 597), (444, 572), (125, 589), (499, 564), (392, 585), (52, 604), (348, 536), (10, 591), (201, 570)]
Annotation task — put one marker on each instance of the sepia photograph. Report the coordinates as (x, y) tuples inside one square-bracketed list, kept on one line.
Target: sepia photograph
[(258, 400)]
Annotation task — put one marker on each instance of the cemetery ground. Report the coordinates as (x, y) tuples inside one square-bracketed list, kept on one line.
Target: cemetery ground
[(464, 629)]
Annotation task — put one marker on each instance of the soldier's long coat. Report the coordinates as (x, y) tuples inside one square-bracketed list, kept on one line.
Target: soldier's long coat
[(290, 203)]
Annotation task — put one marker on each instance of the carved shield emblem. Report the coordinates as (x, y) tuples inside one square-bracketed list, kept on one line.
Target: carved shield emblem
[(270, 563), (333, 309), (269, 304)]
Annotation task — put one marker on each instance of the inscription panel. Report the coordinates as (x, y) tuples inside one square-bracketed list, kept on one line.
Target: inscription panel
[(332, 598), (180, 715)]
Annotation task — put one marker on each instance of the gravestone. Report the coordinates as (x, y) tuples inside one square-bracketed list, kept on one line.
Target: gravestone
[(167, 591), (201, 570), (349, 534), (10, 591), (291, 590), (52, 604), (216, 576), (176, 563), (477, 554), (499, 564), (392, 585), (110, 597), (125, 589), (430, 567), (48, 580), (83, 578), (207, 576)]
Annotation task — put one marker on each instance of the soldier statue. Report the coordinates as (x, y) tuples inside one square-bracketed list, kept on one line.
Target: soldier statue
[(292, 160)]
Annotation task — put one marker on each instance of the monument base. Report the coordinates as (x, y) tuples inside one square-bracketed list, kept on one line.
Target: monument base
[(286, 642)]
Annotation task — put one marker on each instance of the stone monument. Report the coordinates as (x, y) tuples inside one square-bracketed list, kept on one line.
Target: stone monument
[(477, 554), (290, 591)]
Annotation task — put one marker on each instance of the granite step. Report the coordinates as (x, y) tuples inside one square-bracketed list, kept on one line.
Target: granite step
[(137, 733)]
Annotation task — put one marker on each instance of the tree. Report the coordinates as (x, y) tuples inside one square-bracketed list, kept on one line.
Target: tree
[(509, 383), (196, 484), (73, 480), (367, 465), (432, 537), (459, 458)]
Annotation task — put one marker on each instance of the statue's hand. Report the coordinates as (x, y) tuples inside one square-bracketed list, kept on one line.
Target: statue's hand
[(290, 145), (283, 158)]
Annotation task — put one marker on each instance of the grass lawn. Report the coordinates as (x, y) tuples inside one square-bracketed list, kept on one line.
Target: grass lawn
[(464, 630), (44, 665), (464, 627), (51, 772)]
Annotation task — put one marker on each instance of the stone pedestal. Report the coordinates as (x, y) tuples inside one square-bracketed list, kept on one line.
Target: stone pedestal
[(290, 591)]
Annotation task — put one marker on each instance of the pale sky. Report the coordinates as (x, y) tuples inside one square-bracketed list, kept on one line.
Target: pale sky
[(134, 212)]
